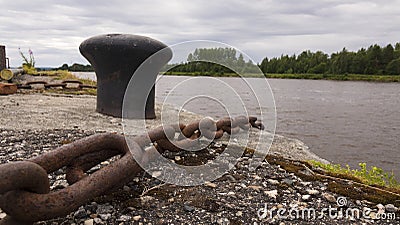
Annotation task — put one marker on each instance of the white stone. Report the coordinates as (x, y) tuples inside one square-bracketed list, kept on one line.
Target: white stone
[(312, 192), (89, 222), (380, 206), (273, 182), (272, 193), (136, 218), (257, 177), (209, 184), (305, 197), (105, 216), (156, 174)]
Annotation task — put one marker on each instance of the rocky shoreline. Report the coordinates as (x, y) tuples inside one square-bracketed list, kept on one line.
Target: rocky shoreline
[(36, 123)]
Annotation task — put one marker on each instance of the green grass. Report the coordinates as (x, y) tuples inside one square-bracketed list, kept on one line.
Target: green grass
[(66, 75), (211, 74), (344, 77), (57, 75), (371, 176)]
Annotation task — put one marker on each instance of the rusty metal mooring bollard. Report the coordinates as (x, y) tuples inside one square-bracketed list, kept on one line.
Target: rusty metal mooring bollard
[(115, 58)]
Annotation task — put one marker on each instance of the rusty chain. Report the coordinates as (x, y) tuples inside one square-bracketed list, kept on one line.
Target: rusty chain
[(25, 194)]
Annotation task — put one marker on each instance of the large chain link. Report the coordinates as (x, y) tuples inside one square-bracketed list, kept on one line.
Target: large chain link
[(24, 186)]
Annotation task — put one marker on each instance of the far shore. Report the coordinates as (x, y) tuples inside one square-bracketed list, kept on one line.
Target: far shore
[(349, 77), (337, 77)]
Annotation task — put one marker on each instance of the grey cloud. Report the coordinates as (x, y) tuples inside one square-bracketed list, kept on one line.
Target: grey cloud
[(261, 28)]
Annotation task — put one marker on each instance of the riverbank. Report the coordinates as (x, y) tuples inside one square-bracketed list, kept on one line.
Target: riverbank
[(337, 77)]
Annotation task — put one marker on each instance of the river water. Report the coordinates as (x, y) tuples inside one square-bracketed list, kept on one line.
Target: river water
[(342, 121)]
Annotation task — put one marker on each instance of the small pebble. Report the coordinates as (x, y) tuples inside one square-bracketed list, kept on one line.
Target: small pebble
[(156, 174), (124, 218), (272, 194), (89, 222), (209, 184), (329, 197), (306, 197), (273, 182), (81, 213), (188, 208), (390, 208), (380, 206), (312, 192), (288, 181), (136, 218), (126, 188), (105, 216), (256, 188)]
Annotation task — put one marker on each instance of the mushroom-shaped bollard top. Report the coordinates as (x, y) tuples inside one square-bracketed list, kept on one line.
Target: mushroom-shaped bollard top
[(115, 58)]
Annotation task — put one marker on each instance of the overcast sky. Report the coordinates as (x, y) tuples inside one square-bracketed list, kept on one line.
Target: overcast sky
[(55, 29)]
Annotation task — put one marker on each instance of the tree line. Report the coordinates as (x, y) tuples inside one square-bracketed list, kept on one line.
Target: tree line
[(210, 61), (374, 60), (76, 67)]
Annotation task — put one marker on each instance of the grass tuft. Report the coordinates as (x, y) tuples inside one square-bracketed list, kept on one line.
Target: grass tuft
[(371, 176)]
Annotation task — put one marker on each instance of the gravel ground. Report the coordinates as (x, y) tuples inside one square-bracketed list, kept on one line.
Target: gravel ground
[(240, 196)]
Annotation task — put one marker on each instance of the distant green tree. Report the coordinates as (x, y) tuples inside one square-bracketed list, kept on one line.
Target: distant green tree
[(76, 67), (264, 65), (396, 53), (64, 67), (393, 68), (374, 56), (387, 56), (318, 69)]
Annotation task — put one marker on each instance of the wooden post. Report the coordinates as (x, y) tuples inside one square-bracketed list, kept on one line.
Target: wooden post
[(2, 57)]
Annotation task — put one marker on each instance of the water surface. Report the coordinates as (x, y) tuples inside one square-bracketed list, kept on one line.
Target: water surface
[(342, 121)]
